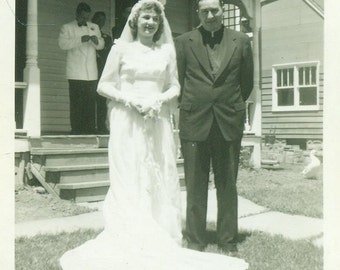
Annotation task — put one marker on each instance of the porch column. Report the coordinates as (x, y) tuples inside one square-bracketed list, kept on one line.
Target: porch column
[(32, 122), (256, 94), (253, 8)]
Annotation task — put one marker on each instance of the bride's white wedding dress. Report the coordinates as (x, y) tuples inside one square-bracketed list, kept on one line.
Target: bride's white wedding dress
[(142, 207)]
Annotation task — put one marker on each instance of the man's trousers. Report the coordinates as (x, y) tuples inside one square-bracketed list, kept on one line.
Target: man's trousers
[(82, 106), (225, 159)]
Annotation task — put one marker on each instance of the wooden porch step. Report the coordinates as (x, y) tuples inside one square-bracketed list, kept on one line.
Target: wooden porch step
[(180, 161), (76, 173), (70, 183), (66, 151), (64, 157), (69, 141), (84, 185), (76, 167), (81, 192), (19, 133), (181, 181), (180, 165), (79, 176)]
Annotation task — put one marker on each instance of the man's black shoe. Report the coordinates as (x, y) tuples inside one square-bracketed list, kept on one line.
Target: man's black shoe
[(196, 247), (228, 248)]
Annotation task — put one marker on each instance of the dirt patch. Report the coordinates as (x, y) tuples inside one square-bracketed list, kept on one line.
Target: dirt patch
[(32, 205)]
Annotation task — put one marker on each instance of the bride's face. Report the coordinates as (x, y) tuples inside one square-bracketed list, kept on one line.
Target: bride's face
[(148, 23)]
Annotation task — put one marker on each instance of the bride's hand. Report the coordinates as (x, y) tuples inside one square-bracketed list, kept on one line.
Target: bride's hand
[(137, 104), (150, 103), (148, 107)]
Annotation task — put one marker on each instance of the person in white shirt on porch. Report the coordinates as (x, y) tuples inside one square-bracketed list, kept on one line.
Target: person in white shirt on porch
[(81, 38)]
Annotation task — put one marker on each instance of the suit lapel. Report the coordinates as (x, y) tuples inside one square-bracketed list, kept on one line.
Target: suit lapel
[(200, 51), (228, 42)]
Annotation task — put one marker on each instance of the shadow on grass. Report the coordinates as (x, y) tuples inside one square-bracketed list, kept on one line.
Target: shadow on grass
[(212, 237)]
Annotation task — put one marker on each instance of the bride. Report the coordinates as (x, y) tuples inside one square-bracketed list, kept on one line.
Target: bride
[(142, 207)]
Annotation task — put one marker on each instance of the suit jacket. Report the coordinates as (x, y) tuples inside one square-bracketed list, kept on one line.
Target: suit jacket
[(81, 61), (204, 96), (104, 53)]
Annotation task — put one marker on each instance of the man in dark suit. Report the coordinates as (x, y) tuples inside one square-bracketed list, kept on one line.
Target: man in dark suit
[(125, 7), (99, 18), (215, 69)]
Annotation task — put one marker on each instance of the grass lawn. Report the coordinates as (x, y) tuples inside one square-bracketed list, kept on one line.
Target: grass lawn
[(260, 250), (42, 252), (282, 190), (30, 205)]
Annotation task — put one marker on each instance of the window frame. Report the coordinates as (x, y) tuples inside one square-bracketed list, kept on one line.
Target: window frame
[(296, 87), (236, 17)]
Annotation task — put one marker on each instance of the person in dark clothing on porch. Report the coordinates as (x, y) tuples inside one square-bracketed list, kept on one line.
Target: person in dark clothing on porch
[(122, 18), (99, 18)]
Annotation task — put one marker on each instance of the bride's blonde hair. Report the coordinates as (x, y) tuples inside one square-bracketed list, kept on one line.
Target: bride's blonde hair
[(147, 6)]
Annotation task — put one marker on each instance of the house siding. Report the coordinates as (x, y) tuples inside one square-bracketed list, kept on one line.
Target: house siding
[(52, 60), (290, 124), (291, 32)]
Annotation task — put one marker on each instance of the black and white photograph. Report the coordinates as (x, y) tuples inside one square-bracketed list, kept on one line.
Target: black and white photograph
[(170, 134)]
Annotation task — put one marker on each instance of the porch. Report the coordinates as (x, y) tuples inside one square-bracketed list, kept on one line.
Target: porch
[(43, 107)]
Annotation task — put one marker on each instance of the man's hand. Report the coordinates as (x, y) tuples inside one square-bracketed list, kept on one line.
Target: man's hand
[(85, 38), (94, 39)]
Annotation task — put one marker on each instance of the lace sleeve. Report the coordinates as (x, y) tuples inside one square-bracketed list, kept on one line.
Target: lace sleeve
[(109, 83), (172, 88)]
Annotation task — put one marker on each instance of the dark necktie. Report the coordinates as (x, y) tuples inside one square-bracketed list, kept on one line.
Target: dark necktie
[(82, 24)]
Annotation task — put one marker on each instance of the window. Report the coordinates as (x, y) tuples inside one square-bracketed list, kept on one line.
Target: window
[(296, 86), (232, 17)]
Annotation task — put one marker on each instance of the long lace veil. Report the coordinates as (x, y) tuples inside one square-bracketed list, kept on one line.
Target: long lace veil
[(166, 37)]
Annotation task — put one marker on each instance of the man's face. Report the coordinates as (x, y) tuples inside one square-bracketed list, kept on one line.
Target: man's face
[(83, 17), (210, 14)]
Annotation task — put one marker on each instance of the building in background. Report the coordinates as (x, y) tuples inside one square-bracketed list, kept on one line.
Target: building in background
[(292, 71), (287, 40)]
